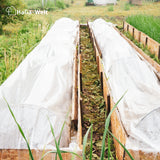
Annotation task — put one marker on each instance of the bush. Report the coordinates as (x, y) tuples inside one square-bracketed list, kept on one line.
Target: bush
[(5, 6), (60, 4), (127, 7), (110, 8)]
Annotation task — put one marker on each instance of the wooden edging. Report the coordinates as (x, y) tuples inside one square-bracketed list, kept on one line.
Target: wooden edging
[(22, 154), (18, 154), (79, 138), (152, 45), (116, 123)]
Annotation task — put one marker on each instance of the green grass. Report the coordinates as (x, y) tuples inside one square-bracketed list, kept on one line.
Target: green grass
[(17, 41), (147, 24), (47, 4)]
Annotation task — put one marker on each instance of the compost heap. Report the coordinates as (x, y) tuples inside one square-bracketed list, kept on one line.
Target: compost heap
[(41, 87), (139, 109)]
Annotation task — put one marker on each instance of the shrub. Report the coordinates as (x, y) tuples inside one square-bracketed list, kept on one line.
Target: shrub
[(60, 4), (127, 7), (4, 17), (110, 8)]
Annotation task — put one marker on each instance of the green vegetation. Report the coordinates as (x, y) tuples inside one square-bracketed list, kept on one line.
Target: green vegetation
[(17, 41), (48, 4), (110, 8), (147, 24), (127, 6), (5, 10), (141, 46), (90, 1)]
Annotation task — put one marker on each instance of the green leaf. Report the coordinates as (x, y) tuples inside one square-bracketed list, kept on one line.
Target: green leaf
[(106, 127), (57, 147), (122, 145), (85, 142), (109, 149), (91, 144), (20, 129), (61, 133)]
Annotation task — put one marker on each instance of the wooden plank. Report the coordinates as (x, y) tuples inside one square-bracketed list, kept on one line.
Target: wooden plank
[(79, 134), (153, 46), (106, 92), (125, 26), (137, 34), (75, 89), (131, 30), (118, 131), (23, 154), (142, 155)]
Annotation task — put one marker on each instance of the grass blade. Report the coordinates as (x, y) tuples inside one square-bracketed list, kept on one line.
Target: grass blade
[(106, 127), (59, 140), (91, 144), (109, 149), (121, 145), (85, 142), (21, 131), (57, 147)]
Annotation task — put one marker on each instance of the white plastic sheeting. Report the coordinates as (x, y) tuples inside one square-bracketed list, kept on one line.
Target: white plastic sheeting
[(41, 86), (104, 2), (139, 109)]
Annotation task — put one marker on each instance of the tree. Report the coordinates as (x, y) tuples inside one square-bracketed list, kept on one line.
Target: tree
[(5, 5)]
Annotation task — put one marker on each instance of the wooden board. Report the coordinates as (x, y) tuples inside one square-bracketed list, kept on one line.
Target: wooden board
[(75, 88), (154, 47), (143, 39), (23, 154), (137, 34)]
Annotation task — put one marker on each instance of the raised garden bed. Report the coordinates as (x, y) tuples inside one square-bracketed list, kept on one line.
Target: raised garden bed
[(116, 124), (141, 37)]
